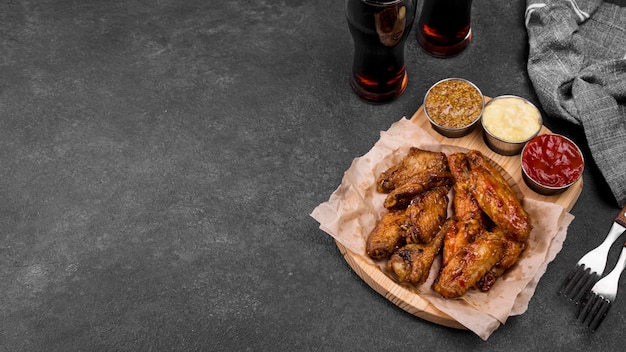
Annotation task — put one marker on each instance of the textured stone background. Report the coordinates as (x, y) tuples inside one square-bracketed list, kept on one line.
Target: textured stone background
[(159, 159)]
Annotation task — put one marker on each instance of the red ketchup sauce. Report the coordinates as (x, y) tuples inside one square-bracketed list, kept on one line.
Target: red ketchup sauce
[(552, 160)]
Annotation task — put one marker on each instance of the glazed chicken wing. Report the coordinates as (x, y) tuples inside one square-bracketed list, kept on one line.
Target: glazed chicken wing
[(426, 214), (512, 250), (388, 235), (459, 236), (412, 262), (500, 203), (465, 205), (469, 266), (496, 198), (477, 159)]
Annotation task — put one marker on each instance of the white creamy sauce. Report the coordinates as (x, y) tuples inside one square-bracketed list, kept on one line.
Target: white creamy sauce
[(511, 119)]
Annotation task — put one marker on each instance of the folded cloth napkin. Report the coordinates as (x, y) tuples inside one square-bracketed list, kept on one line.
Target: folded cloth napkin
[(577, 64)]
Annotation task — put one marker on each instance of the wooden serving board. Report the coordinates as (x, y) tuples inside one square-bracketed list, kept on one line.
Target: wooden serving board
[(402, 296)]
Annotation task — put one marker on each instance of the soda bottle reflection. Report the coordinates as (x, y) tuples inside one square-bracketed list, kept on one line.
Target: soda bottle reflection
[(379, 30), (444, 27)]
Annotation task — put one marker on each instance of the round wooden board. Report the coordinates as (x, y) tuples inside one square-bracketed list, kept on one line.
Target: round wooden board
[(407, 299)]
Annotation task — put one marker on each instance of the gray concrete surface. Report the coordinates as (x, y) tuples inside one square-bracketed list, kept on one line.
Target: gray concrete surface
[(159, 161)]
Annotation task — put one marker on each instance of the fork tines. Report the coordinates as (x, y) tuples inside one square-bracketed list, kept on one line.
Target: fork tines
[(597, 302), (578, 282), (593, 310), (591, 266)]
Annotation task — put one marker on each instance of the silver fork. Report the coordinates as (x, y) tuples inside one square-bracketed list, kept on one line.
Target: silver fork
[(596, 304), (591, 266)]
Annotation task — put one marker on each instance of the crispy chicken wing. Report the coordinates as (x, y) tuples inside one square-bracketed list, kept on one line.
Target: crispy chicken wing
[(426, 213), (412, 262), (469, 266), (417, 166), (388, 235), (402, 196)]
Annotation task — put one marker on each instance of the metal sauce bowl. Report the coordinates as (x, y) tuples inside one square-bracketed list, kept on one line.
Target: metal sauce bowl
[(503, 146), (454, 132), (536, 185)]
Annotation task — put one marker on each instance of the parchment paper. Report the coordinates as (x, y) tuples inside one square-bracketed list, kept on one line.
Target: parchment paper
[(355, 207)]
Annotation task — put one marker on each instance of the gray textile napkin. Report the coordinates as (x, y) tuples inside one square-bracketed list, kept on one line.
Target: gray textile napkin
[(577, 64)]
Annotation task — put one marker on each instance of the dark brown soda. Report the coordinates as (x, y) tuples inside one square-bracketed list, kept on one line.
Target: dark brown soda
[(378, 71), (444, 27)]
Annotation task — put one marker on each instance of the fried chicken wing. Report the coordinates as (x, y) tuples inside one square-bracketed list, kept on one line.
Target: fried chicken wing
[(388, 235), (460, 235), (496, 198), (465, 205), (469, 266), (402, 196), (500, 203), (512, 250), (412, 262), (426, 213), (477, 159), (418, 165)]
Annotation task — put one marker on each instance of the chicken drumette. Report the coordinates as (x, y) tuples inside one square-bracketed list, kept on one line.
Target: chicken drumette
[(412, 262)]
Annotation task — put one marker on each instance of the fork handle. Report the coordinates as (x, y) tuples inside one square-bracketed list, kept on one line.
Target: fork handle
[(621, 217), (615, 274), (603, 249), (614, 233)]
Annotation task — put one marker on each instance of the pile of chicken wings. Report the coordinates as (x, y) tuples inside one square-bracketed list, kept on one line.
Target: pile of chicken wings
[(484, 235)]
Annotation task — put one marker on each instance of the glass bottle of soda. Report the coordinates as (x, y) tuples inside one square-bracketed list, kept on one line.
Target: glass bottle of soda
[(379, 31), (444, 27)]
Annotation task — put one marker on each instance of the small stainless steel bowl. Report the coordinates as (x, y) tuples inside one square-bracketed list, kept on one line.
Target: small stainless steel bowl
[(503, 145), (448, 131), (536, 185)]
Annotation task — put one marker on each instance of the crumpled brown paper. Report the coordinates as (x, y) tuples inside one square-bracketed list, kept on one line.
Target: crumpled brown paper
[(355, 207)]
